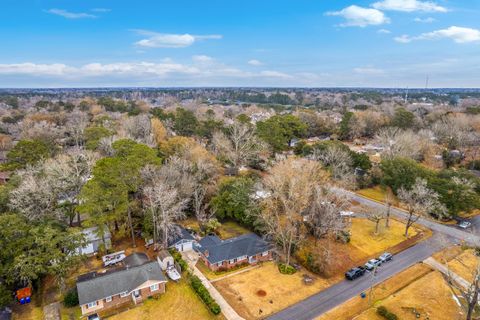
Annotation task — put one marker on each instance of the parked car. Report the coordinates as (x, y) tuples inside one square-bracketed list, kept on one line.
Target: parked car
[(385, 257), (93, 317), (354, 273), (464, 224), (373, 263)]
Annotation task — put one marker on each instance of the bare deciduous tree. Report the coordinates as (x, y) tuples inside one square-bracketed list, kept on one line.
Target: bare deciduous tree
[(77, 121), (376, 216), (163, 203), (339, 162), (323, 216), (139, 128), (291, 184), (399, 143), (240, 145), (420, 200)]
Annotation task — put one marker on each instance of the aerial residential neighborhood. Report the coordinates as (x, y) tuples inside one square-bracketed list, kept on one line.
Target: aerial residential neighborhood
[(254, 160)]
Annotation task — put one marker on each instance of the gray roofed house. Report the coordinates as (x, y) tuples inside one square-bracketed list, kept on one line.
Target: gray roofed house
[(94, 240), (225, 254), (182, 241), (137, 280)]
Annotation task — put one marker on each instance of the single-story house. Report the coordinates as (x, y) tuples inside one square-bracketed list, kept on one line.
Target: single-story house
[(220, 254), (182, 241), (94, 240), (139, 279)]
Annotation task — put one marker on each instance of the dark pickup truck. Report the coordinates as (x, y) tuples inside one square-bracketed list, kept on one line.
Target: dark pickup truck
[(354, 273)]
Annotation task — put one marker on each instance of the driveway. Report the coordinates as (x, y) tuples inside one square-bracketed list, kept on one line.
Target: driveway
[(191, 257)]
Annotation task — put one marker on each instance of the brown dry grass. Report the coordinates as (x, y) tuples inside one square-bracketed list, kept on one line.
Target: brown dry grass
[(465, 264), (357, 305), (365, 240), (430, 296), (377, 194), (281, 291)]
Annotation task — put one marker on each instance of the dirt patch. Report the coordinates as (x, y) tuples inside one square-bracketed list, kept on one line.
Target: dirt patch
[(261, 293)]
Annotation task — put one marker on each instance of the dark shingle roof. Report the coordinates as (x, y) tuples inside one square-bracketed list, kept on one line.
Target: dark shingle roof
[(182, 234), (135, 259), (245, 245), (95, 286)]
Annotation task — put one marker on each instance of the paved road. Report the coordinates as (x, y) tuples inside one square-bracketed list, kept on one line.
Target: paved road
[(337, 294), (470, 236)]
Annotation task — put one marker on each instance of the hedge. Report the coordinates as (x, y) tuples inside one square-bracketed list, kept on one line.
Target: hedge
[(178, 259), (203, 293), (382, 311)]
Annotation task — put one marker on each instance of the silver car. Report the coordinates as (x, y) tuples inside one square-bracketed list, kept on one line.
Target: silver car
[(465, 224)]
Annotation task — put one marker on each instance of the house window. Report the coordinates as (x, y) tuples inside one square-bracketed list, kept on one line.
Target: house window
[(232, 261), (154, 287), (265, 253), (92, 304), (123, 294), (108, 299), (219, 264)]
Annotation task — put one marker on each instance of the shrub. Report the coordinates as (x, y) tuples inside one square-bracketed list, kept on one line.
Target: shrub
[(178, 259), (203, 293), (382, 311), (71, 298), (286, 269)]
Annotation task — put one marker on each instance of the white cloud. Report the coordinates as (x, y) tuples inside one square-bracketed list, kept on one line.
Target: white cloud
[(457, 34), (403, 39), (71, 15), (166, 40), (255, 62), (424, 20), (409, 6), (356, 16), (34, 69), (101, 10), (384, 31), (368, 71), (202, 58)]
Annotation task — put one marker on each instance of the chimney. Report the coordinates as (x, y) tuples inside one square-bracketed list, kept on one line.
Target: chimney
[(206, 253)]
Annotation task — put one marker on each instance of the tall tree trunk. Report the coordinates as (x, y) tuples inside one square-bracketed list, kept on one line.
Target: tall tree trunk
[(131, 226), (387, 221), (79, 219)]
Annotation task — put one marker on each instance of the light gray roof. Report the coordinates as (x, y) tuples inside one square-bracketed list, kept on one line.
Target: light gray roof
[(245, 245), (91, 234), (96, 286)]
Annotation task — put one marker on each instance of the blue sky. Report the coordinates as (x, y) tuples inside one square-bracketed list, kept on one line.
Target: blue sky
[(314, 43)]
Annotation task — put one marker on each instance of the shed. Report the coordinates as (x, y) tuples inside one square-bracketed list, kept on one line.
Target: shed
[(165, 260)]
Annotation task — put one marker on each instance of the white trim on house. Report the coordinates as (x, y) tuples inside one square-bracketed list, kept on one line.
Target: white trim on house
[(108, 299), (154, 287), (124, 294), (92, 304)]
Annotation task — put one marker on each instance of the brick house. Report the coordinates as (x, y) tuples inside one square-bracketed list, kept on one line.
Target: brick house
[(137, 280), (220, 254)]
